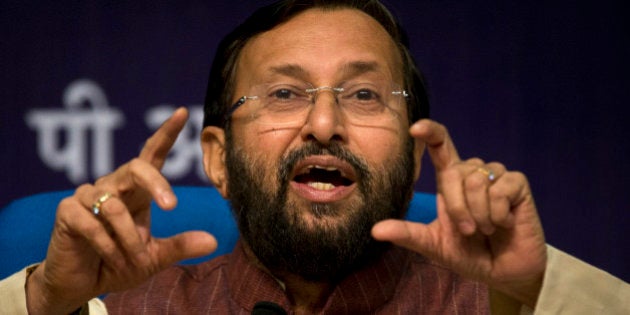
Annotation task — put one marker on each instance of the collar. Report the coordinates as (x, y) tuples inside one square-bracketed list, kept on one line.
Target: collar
[(365, 290)]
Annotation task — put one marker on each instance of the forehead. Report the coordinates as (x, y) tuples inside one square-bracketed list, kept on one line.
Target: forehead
[(322, 44)]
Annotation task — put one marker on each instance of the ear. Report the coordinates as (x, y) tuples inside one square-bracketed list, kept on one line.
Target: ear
[(418, 151), (213, 147)]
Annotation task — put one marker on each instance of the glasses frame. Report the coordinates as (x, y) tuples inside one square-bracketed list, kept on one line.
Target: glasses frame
[(312, 91)]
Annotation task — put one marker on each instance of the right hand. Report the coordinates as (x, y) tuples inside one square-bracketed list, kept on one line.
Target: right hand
[(89, 255), (501, 242)]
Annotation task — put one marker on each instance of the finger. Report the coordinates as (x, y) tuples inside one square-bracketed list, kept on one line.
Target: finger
[(477, 185), (118, 218), (184, 246), (142, 174), (452, 188), (411, 235), (507, 192), (136, 182), (144, 171), (439, 144), (159, 144), (113, 213), (421, 238), (73, 220)]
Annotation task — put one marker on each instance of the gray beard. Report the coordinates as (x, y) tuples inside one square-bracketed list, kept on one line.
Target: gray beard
[(272, 228)]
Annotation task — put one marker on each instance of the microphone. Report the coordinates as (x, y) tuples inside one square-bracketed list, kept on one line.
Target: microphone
[(268, 308)]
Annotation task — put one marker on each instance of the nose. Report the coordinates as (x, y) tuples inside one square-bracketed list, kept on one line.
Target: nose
[(325, 121)]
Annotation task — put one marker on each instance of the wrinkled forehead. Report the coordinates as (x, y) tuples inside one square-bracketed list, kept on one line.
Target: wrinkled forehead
[(321, 45)]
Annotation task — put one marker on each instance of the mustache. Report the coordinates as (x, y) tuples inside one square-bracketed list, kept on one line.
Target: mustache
[(287, 164)]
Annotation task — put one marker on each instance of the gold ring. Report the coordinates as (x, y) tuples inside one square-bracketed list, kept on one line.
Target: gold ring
[(488, 173), (96, 207)]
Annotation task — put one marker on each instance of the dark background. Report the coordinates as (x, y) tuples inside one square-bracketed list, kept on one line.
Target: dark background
[(542, 87)]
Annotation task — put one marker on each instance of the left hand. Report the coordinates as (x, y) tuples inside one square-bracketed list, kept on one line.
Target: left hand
[(487, 230), (90, 254)]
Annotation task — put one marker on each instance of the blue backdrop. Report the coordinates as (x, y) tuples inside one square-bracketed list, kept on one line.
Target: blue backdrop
[(541, 87)]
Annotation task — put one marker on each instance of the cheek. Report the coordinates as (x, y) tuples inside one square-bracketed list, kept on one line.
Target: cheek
[(379, 148), (264, 144)]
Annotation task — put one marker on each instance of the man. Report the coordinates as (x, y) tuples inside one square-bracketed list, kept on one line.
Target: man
[(314, 131)]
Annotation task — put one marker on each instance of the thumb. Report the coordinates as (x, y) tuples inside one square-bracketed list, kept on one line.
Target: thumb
[(184, 246), (411, 235)]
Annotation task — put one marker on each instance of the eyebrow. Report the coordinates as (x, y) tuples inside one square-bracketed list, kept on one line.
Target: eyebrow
[(290, 70), (349, 70), (357, 68)]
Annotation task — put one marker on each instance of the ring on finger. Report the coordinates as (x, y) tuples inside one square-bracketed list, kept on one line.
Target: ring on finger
[(96, 206), (488, 172)]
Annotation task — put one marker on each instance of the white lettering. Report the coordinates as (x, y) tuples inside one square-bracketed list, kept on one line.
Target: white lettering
[(76, 120)]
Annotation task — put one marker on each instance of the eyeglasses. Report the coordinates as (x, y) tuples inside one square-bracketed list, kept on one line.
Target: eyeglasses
[(373, 103)]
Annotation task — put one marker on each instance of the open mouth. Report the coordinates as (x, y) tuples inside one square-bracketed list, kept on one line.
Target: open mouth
[(323, 177), (324, 173)]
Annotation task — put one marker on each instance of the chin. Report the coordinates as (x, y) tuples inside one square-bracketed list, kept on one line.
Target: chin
[(330, 214)]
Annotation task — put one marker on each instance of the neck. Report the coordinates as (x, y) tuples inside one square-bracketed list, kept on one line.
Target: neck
[(308, 297)]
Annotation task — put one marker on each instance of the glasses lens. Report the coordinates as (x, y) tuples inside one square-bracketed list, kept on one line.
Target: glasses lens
[(280, 104), (370, 103), (362, 103)]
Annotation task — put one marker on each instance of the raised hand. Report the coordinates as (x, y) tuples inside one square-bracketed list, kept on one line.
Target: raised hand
[(487, 227), (91, 254)]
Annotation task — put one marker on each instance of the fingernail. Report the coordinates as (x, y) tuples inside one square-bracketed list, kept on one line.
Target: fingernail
[(166, 198), (416, 125)]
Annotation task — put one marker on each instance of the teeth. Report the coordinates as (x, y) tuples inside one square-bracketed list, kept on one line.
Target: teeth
[(328, 168), (321, 186)]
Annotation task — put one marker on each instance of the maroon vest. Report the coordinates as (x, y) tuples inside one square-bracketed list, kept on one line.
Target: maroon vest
[(401, 282)]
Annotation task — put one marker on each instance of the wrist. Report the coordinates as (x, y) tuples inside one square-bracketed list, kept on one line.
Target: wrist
[(40, 299)]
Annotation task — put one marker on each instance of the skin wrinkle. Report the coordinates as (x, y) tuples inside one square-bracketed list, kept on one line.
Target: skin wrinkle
[(264, 130)]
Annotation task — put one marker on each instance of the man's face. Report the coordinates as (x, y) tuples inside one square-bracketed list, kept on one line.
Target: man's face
[(307, 195)]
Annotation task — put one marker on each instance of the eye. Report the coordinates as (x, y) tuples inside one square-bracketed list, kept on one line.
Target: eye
[(283, 94), (363, 95), (362, 92), (366, 95)]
